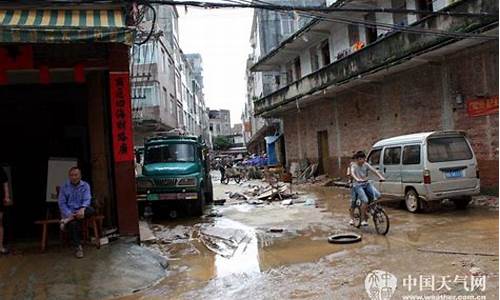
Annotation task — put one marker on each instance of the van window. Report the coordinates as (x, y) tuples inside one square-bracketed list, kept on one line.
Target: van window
[(374, 157), (392, 156), (448, 149), (411, 155)]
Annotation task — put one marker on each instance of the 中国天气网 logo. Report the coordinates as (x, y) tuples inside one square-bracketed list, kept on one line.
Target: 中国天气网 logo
[(380, 285)]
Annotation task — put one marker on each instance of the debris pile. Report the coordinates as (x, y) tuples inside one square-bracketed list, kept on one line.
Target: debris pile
[(257, 194), (222, 241), (486, 201)]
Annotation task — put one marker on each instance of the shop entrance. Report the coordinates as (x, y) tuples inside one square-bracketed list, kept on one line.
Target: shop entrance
[(38, 122)]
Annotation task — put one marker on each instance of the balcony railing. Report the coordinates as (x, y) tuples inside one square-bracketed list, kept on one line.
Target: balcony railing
[(395, 47)]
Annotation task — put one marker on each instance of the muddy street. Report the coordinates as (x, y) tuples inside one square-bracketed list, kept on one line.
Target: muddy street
[(276, 251)]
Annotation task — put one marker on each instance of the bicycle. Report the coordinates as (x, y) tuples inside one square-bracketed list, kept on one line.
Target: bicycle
[(379, 216)]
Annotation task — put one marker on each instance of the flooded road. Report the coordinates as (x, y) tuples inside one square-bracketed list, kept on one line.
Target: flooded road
[(275, 251)]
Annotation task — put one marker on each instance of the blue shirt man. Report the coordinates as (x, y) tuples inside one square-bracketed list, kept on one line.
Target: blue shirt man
[(73, 197), (74, 204)]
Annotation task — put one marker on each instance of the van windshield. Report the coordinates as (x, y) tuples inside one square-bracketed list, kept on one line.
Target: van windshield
[(448, 149), (169, 153)]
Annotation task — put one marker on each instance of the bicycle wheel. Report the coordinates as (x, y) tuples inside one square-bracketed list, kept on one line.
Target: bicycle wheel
[(381, 221), (357, 216)]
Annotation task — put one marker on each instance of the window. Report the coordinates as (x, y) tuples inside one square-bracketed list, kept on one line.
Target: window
[(370, 32), (169, 153), (374, 157), (353, 31), (448, 149), (411, 155), (172, 104), (392, 156), (325, 52), (313, 52), (180, 121), (165, 99), (423, 5), (399, 19), (289, 73), (297, 68), (144, 54), (287, 24), (163, 67)]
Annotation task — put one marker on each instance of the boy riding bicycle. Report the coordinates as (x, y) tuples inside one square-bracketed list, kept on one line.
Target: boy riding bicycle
[(362, 189)]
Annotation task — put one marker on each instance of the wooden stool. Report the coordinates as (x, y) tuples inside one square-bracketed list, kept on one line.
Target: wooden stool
[(44, 224), (94, 221)]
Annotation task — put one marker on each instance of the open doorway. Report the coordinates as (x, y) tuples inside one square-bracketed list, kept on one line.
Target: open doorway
[(38, 122), (323, 152)]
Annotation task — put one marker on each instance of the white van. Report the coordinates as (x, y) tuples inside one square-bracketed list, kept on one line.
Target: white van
[(425, 167)]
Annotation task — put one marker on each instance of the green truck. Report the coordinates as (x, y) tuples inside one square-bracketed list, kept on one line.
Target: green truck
[(175, 168)]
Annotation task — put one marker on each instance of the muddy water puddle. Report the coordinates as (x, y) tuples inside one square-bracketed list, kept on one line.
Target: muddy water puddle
[(281, 252)]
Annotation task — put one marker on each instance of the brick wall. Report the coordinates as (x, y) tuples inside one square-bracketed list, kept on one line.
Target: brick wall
[(415, 100)]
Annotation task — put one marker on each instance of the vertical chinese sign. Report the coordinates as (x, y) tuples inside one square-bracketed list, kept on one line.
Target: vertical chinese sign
[(121, 117)]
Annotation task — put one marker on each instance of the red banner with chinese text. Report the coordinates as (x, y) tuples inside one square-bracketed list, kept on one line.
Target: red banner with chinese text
[(121, 116), (482, 106)]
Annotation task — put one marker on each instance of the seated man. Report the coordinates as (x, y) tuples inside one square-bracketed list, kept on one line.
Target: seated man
[(74, 204)]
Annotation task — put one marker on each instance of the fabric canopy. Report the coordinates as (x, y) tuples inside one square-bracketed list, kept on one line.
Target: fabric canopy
[(64, 26)]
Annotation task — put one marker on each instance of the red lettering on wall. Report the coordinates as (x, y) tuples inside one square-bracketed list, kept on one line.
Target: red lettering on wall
[(482, 106), (121, 116)]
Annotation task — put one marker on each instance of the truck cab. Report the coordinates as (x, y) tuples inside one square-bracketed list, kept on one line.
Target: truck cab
[(175, 168)]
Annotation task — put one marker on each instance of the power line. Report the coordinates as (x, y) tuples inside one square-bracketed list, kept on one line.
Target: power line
[(396, 27), (270, 6)]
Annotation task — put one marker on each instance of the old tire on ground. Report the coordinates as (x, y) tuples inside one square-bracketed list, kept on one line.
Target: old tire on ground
[(196, 205), (344, 238), (462, 203), (412, 201), (357, 216)]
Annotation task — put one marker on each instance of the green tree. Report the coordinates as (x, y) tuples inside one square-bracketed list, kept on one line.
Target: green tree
[(222, 143)]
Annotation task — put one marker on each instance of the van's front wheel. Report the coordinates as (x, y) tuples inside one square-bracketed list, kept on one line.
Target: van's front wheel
[(412, 201)]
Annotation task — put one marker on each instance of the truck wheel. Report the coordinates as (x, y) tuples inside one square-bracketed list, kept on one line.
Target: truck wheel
[(196, 205), (462, 202), (209, 194), (412, 201)]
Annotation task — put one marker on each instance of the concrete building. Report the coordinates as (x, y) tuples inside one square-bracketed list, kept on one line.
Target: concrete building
[(269, 28), (166, 89), (200, 109), (220, 122), (345, 86)]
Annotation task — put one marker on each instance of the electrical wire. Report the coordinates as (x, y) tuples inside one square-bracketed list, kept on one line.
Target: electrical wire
[(346, 20), (147, 4), (370, 24), (270, 6)]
